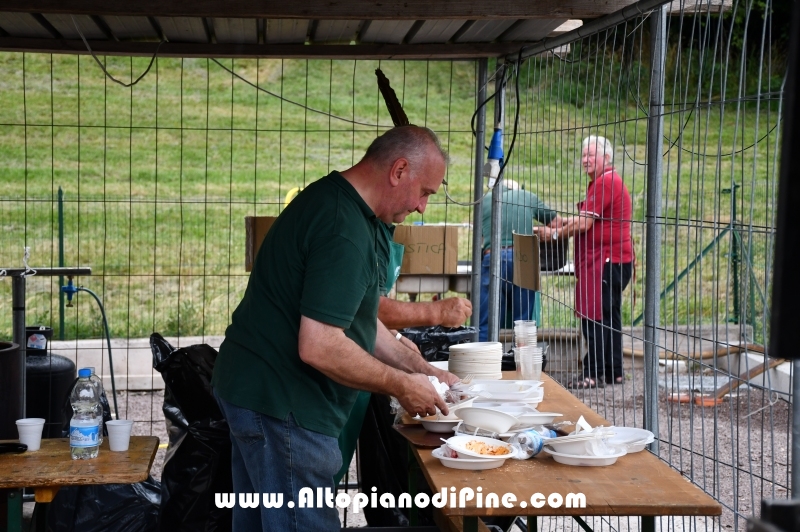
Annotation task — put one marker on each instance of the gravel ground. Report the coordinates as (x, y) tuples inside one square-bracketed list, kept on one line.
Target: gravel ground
[(737, 451), (750, 443)]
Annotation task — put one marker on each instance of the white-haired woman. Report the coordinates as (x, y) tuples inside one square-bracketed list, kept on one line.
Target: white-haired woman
[(603, 262)]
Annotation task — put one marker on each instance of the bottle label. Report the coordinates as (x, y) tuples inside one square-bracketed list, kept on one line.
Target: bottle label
[(37, 341), (84, 435), (536, 442)]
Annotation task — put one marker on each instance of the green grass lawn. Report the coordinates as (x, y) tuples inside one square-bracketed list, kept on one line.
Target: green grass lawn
[(157, 179)]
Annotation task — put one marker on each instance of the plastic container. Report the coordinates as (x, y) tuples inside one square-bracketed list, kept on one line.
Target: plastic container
[(30, 432), (531, 442), (84, 427), (38, 337)]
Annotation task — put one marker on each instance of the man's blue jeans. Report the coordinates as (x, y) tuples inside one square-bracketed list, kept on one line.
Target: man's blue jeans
[(270, 455), (520, 303)]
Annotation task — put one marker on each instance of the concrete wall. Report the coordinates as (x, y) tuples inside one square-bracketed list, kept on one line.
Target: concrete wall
[(133, 359)]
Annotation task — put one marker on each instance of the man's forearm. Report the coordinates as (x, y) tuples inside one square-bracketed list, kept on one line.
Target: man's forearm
[(352, 366), (393, 353), (401, 314), (573, 225)]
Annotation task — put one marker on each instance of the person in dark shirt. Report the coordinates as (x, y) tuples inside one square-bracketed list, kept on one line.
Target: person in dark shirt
[(305, 337)]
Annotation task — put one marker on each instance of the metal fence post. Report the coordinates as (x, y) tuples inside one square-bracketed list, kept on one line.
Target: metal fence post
[(497, 206), (477, 210), (18, 325), (653, 219), (795, 456), (61, 332)]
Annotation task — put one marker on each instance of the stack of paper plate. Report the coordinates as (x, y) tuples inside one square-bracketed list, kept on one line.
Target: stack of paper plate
[(483, 360)]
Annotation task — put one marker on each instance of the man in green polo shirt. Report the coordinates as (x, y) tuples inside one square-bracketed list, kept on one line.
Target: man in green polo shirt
[(305, 337), (520, 208)]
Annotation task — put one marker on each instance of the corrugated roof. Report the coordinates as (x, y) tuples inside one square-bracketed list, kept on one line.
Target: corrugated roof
[(241, 28)]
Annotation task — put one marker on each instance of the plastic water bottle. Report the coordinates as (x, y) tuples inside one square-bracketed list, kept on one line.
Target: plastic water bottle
[(84, 427), (98, 383), (531, 441)]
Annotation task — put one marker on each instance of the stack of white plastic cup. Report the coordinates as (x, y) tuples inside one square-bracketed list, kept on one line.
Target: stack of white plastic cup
[(525, 350)]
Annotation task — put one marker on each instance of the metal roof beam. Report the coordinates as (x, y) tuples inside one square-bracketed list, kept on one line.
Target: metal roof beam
[(321, 51), (325, 9)]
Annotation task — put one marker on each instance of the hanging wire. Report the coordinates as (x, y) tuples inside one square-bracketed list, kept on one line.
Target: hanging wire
[(516, 72), (298, 104), (102, 66)]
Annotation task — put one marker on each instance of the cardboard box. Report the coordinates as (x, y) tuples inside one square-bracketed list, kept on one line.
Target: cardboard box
[(429, 249), (526, 262), (256, 228)]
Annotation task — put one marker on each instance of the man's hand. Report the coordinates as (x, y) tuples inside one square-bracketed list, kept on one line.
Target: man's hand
[(453, 311), (444, 376), (419, 397), (544, 232)]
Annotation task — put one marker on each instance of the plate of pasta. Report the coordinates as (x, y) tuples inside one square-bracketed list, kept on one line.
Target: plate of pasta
[(480, 447)]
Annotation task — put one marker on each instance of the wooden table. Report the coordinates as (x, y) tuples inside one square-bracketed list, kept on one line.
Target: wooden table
[(638, 484), (52, 467)]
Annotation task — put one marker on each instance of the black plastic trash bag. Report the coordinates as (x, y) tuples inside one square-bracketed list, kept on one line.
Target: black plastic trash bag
[(386, 464), (198, 461), (131, 507), (121, 507), (434, 342)]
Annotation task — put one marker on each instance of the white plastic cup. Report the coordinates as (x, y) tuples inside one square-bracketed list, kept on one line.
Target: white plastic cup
[(30, 432), (526, 362), (119, 434), (536, 371)]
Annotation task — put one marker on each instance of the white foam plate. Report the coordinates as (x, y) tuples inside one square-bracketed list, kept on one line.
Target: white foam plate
[(468, 463), (632, 439), (583, 460), (574, 445), (476, 346), (439, 425), (458, 444), (504, 391), (443, 364), (487, 418), (630, 436), (535, 384), (638, 446), (537, 418)]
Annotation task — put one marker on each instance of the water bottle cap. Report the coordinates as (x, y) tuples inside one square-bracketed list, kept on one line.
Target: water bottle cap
[(84, 373)]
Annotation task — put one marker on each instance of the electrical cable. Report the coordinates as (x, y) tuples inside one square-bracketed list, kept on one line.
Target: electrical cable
[(278, 96), (103, 68), (108, 341), (517, 68)]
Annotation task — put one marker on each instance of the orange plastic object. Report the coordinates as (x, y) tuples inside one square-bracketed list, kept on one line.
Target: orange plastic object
[(707, 400), (679, 397)]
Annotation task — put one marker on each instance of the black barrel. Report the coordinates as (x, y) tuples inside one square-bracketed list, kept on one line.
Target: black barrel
[(49, 379), (10, 390)]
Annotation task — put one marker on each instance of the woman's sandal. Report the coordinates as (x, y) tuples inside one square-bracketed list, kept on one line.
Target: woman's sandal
[(585, 383)]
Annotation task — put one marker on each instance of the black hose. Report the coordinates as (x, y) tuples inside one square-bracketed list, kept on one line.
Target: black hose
[(108, 340)]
